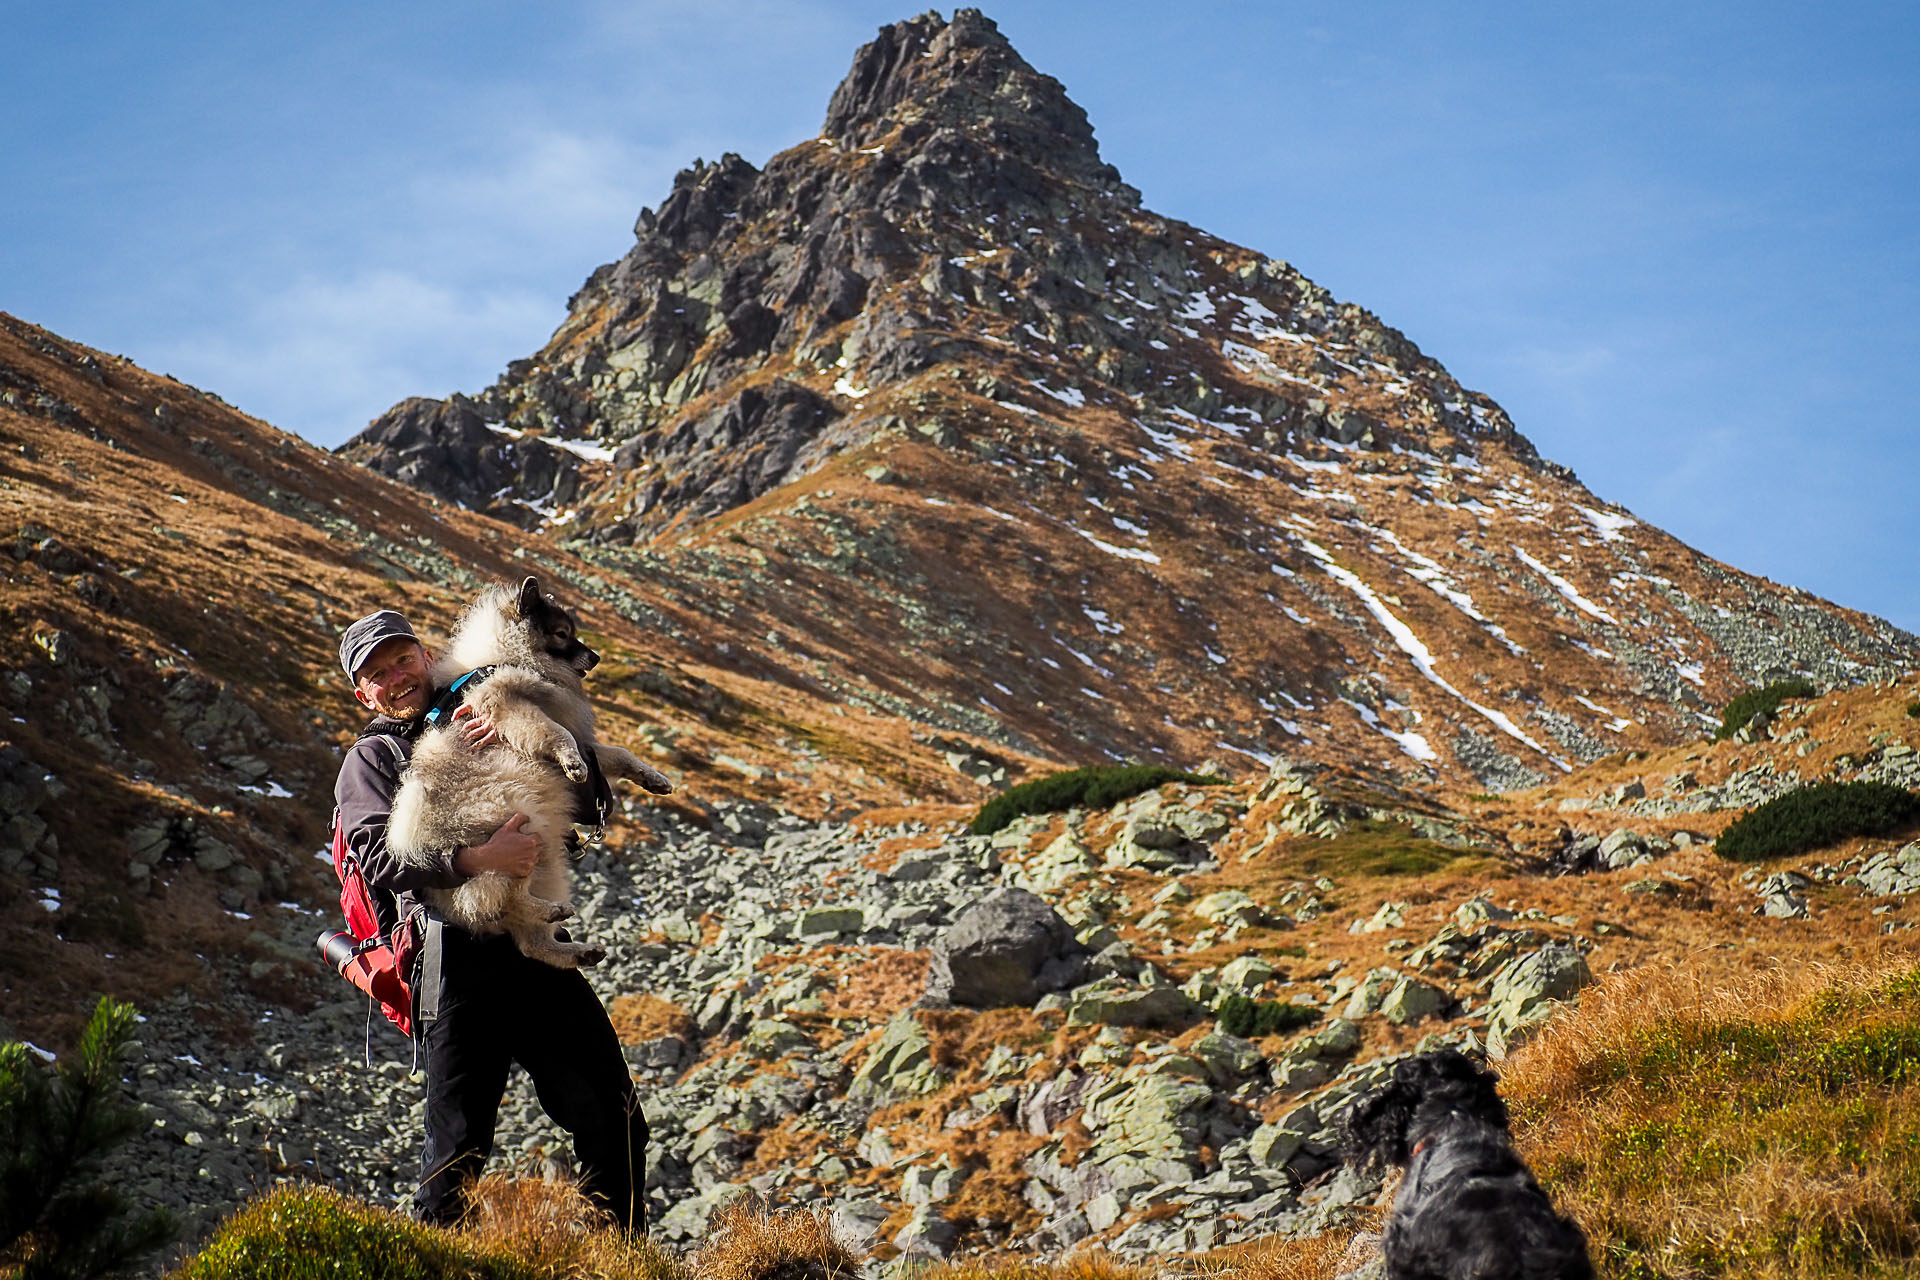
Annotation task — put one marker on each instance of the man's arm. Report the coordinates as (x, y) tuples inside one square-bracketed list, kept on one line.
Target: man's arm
[(368, 780)]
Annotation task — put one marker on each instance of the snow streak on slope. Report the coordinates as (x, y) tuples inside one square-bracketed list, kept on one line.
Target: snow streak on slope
[(1411, 645), (1565, 588)]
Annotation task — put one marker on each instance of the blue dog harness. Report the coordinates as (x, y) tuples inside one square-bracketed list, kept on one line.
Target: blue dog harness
[(447, 703)]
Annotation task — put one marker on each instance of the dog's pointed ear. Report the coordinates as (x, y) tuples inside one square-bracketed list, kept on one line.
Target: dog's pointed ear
[(529, 596)]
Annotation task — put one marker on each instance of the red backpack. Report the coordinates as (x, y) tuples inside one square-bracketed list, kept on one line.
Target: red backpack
[(373, 960)]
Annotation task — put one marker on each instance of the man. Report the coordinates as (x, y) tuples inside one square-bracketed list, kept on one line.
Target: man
[(482, 1005)]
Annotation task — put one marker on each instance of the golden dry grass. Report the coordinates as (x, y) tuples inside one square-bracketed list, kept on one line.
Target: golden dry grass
[(552, 1231), (1699, 1121), (1086, 1265), (1318, 1257), (638, 1018), (750, 1240)]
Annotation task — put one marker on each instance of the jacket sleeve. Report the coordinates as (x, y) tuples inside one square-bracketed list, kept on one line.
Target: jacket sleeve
[(368, 780)]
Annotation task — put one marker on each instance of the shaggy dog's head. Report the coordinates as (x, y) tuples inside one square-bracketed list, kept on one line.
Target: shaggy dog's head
[(1426, 1093), (519, 626)]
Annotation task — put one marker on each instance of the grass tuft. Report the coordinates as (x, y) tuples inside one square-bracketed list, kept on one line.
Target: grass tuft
[(748, 1240), (1096, 787), (1815, 816)]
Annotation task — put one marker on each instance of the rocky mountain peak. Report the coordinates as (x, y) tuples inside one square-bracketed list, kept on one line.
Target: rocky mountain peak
[(985, 443), (926, 80)]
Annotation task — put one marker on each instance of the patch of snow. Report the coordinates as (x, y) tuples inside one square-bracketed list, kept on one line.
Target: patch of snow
[(1414, 744), (1101, 623), (1217, 659), (1252, 360), (583, 449), (1168, 441), (1266, 760), (1609, 523), (846, 387), (1411, 645), (1125, 553), (273, 791), (1070, 396), (43, 1054), (1565, 588)]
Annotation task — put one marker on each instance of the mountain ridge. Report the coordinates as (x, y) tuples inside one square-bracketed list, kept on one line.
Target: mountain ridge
[(936, 378)]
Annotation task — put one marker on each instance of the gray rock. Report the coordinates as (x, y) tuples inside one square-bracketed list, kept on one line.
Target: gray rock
[(928, 1233), (1525, 991), (1120, 1003), (1010, 948), (1412, 1000)]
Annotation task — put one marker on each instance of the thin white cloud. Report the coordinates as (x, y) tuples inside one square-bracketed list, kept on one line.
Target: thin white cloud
[(314, 355)]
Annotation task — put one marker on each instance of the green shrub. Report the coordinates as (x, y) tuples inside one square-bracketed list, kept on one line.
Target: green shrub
[(1913, 708), (58, 1217), (310, 1233), (1815, 816), (1248, 1018), (1092, 788), (1768, 699)]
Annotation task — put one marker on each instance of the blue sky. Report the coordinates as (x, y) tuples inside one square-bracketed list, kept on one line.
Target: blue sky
[(1677, 242)]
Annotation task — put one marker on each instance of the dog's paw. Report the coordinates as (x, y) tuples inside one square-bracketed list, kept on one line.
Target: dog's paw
[(655, 781), (573, 765), (555, 912), (587, 957)]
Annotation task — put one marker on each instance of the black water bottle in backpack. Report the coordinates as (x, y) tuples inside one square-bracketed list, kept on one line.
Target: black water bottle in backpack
[(374, 956)]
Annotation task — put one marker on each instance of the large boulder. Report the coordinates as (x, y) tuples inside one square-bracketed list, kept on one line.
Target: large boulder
[(1526, 992), (1010, 948)]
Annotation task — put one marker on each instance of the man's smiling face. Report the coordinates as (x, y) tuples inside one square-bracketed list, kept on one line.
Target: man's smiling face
[(393, 680)]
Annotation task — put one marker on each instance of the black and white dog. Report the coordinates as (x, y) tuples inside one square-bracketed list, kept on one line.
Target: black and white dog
[(1469, 1206)]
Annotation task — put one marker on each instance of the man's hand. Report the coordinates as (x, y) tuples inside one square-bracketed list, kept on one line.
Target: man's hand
[(510, 851), (478, 731)]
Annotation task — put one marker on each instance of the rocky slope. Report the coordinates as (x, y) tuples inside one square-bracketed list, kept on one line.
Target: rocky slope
[(175, 578), (981, 441), (814, 1014)]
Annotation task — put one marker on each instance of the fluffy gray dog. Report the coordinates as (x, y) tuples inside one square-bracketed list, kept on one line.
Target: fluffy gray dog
[(452, 796)]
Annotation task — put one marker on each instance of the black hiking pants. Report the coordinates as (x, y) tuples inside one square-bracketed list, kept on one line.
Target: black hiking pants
[(496, 1008)]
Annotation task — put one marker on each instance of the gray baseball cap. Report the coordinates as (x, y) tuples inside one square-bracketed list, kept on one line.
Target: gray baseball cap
[(358, 641)]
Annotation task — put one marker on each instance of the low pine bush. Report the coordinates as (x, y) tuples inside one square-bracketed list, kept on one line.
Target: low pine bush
[(1250, 1019), (1913, 708), (1816, 816), (1092, 788), (311, 1233), (1767, 699), (60, 1215)]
